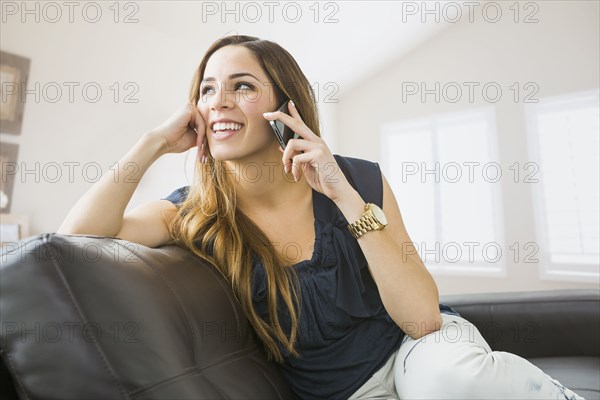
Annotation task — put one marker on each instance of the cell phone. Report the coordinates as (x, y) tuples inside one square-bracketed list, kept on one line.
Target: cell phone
[(283, 133)]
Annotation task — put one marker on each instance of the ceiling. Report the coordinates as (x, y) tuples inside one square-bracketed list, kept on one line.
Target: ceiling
[(337, 44)]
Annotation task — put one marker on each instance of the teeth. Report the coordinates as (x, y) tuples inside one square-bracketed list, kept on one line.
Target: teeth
[(220, 126)]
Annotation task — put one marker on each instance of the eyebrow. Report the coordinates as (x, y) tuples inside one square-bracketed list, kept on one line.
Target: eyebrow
[(232, 76)]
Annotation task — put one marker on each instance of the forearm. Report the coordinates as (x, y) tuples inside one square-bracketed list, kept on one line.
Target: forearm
[(408, 291), (100, 210)]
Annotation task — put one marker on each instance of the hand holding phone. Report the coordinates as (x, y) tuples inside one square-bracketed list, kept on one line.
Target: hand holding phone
[(283, 133)]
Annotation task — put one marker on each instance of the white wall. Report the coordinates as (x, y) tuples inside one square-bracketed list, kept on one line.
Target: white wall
[(93, 133), (559, 54), (159, 54)]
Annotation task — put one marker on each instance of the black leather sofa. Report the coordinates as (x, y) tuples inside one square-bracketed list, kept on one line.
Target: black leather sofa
[(87, 317)]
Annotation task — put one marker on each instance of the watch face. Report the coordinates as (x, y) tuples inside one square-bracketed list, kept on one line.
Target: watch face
[(378, 214)]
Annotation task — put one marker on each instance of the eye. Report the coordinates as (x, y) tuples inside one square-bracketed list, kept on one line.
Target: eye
[(249, 86), (206, 89)]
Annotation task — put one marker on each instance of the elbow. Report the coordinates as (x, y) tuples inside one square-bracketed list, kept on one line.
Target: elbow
[(66, 230), (417, 330), (63, 231), (71, 229), (431, 326)]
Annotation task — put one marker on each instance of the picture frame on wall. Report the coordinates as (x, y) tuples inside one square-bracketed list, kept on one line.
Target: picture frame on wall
[(14, 72), (8, 166)]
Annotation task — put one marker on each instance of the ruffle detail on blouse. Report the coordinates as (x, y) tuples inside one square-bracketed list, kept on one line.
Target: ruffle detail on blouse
[(357, 292), (178, 195), (319, 258)]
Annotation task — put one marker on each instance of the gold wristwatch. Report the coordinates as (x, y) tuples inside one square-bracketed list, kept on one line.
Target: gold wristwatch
[(373, 219)]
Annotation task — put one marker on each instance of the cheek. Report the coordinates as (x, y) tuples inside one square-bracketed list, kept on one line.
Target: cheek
[(254, 115), (203, 106), (255, 110)]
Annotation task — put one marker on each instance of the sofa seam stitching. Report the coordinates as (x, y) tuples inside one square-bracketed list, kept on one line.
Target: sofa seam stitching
[(17, 376), (83, 319), (233, 357), (177, 298)]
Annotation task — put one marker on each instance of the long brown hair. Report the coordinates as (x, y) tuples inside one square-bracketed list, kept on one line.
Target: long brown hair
[(210, 224)]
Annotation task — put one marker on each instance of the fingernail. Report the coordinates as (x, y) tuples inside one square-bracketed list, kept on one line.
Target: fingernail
[(292, 103), (295, 178), (267, 114)]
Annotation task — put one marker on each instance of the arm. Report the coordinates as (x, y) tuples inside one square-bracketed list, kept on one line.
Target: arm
[(101, 209), (147, 223), (408, 292), (407, 289)]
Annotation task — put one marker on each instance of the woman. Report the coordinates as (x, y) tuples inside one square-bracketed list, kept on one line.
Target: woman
[(322, 272)]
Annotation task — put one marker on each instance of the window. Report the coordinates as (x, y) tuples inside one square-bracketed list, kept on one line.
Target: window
[(446, 178), (563, 140)]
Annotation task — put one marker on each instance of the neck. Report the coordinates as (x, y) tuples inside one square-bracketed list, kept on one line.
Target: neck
[(262, 185)]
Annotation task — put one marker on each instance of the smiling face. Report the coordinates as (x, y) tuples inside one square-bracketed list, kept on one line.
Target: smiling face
[(235, 88)]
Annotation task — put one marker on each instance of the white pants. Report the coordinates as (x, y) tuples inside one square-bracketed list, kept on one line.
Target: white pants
[(457, 363)]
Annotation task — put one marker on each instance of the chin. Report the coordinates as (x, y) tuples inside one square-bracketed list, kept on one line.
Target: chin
[(224, 154), (240, 151)]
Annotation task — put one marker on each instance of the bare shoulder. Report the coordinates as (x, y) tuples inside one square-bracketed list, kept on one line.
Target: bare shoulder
[(147, 223)]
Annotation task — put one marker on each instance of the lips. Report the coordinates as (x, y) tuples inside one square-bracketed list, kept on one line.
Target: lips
[(225, 124), (225, 134)]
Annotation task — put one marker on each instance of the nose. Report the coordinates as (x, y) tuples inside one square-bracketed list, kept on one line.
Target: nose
[(223, 98)]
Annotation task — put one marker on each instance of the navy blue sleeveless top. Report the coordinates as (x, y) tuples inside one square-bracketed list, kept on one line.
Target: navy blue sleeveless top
[(345, 333)]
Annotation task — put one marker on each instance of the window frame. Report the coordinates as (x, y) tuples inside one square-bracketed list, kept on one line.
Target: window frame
[(548, 270), (432, 123)]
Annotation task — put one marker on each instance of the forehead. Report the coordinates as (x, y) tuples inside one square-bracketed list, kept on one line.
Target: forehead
[(230, 60)]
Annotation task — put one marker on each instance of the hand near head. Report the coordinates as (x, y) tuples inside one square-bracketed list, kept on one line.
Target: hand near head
[(184, 129), (311, 156)]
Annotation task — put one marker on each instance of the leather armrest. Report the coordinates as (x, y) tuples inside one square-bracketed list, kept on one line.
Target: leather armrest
[(96, 317), (549, 323)]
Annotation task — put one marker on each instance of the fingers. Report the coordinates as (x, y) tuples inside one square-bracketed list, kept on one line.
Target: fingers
[(294, 121), (199, 122), (200, 128), (203, 151), (297, 146), (298, 161), (293, 111), (299, 152)]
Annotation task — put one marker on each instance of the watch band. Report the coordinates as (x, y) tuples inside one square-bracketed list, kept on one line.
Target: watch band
[(364, 224)]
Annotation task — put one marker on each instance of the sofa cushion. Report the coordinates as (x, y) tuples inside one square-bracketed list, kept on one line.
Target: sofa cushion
[(546, 323), (580, 374), (89, 317)]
